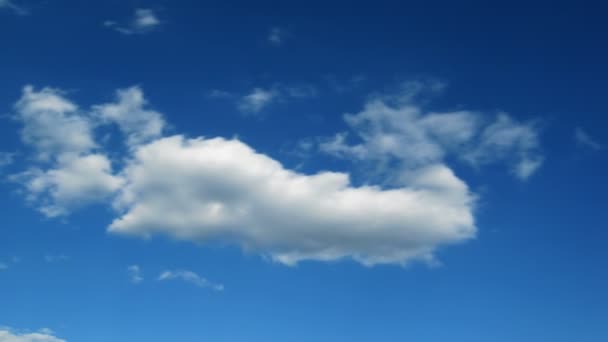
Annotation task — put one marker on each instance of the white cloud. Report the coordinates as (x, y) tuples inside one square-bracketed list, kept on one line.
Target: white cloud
[(52, 124), (70, 174), (138, 124), (507, 139), (398, 129), (584, 139), (44, 335), (190, 277), (135, 274), (71, 184), (217, 189), (3, 266), (258, 99), (144, 21), (277, 36)]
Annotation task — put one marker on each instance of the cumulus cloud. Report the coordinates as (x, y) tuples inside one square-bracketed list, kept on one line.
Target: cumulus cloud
[(135, 274), (584, 139), (190, 277), (223, 190), (144, 21), (217, 190), (52, 125), (69, 173), (44, 335), (397, 129), (138, 124), (70, 184)]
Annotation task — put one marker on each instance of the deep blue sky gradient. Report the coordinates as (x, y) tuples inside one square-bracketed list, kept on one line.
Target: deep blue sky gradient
[(536, 272)]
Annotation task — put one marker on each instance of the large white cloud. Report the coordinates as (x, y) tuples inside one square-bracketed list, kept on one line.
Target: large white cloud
[(216, 190), (222, 190), (44, 336)]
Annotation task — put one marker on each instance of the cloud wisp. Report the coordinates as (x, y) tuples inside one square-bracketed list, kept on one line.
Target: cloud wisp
[(144, 21), (135, 274), (258, 99), (191, 278), (397, 132), (584, 139), (11, 5), (277, 36)]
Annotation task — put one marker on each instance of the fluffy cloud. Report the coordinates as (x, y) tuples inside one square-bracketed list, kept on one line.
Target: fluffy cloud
[(52, 124), (138, 124), (222, 190), (69, 174), (144, 21), (398, 129), (190, 277), (43, 336)]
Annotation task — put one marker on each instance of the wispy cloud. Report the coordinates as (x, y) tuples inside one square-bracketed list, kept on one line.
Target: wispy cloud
[(51, 258), (257, 100), (135, 274), (396, 131), (8, 4), (6, 158), (6, 265), (190, 277), (277, 36), (144, 21), (260, 98), (584, 139)]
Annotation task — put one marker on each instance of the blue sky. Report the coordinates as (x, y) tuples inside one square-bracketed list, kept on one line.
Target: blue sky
[(267, 171)]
